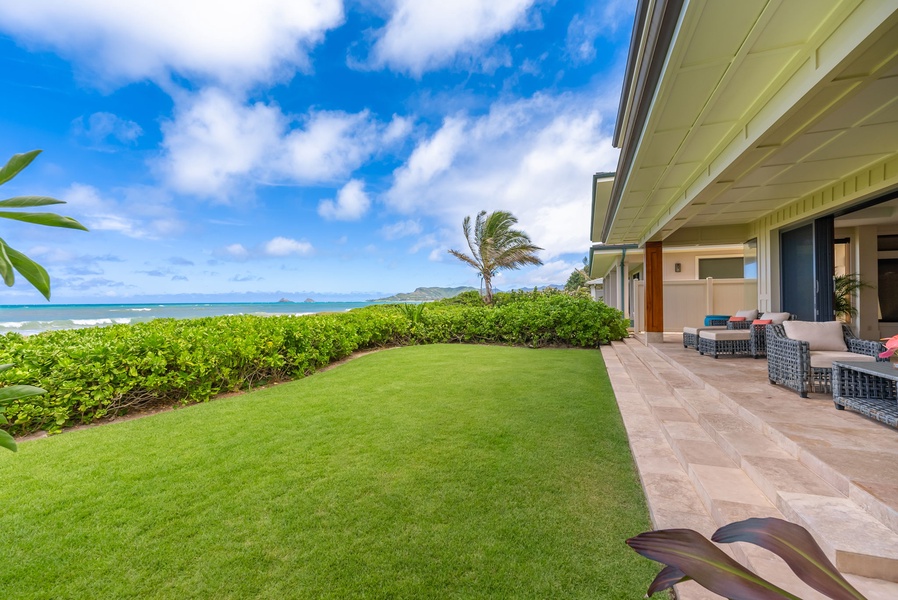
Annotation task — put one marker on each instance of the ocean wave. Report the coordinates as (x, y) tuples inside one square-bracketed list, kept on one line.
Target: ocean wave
[(12, 324), (140, 309), (89, 322)]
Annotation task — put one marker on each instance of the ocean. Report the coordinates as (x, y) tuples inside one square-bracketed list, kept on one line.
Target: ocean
[(36, 318)]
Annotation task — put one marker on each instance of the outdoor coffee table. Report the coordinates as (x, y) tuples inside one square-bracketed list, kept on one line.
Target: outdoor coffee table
[(868, 388)]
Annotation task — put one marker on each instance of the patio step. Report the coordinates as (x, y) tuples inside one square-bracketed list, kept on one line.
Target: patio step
[(737, 473), (878, 498), (675, 494)]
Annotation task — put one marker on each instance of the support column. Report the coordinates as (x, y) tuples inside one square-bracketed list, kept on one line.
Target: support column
[(654, 293)]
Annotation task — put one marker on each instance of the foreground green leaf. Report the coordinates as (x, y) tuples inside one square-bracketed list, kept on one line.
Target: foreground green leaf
[(795, 545), (29, 201), (15, 392), (6, 268), (15, 164), (696, 557), (30, 270), (7, 441), (46, 219)]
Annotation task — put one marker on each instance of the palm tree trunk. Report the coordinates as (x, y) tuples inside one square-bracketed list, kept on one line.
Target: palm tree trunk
[(488, 286)]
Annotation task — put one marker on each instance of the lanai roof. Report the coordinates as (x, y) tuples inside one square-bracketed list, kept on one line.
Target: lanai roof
[(736, 112)]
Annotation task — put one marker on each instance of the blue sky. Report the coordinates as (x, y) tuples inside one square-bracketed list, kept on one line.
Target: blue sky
[(314, 147)]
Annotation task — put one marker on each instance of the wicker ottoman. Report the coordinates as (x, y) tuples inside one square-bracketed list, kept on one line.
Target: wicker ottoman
[(726, 341), (690, 334)]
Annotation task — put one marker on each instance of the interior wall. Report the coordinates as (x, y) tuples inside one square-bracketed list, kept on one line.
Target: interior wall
[(863, 241), (768, 267)]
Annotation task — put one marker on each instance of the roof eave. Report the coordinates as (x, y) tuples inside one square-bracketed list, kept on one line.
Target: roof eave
[(655, 23)]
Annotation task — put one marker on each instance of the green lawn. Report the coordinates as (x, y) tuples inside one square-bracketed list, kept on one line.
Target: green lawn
[(444, 471)]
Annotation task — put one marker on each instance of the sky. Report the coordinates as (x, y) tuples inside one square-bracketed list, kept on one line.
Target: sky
[(322, 148)]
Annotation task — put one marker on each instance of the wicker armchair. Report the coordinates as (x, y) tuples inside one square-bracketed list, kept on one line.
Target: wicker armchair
[(789, 361)]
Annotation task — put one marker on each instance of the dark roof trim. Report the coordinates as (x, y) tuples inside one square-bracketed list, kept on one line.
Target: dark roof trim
[(656, 21)]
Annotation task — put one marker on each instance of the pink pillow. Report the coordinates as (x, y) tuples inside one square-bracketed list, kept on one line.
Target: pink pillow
[(736, 319), (762, 322)]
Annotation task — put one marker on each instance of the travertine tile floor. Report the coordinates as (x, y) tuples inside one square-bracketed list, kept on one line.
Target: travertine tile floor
[(714, 442)]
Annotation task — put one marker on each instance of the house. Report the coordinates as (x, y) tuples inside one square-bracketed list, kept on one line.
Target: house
[(770, 126)]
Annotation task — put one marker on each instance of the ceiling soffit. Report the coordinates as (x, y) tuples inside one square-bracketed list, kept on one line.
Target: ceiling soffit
[(820, 72)]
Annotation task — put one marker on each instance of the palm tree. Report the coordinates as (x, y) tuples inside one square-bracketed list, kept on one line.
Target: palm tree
[(496, 246)]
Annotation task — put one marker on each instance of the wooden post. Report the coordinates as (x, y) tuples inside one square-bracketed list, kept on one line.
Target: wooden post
[(654, 293)]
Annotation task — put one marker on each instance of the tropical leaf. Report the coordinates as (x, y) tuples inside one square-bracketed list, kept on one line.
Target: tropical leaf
[(15, 164), (797, 547), (30, 270), (6, 268), (7, 441), (47, 219), (6, 367), (15, 392), (29, 201), (668, 577), (696, 557)]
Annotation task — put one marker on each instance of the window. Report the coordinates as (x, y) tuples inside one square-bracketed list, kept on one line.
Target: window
[(721, 268)]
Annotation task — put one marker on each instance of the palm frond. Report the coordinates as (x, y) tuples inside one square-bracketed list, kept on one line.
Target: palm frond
[(465, 258)]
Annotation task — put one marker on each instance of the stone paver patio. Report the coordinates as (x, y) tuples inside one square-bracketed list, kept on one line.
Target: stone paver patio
[(714, 442)]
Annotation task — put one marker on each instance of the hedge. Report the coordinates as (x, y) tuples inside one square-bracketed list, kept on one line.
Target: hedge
[(104, 371)]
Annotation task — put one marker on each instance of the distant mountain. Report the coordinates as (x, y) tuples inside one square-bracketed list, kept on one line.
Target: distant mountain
[(426, 294)]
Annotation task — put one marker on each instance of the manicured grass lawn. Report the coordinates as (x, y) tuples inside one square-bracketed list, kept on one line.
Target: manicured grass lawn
[(421, 472)]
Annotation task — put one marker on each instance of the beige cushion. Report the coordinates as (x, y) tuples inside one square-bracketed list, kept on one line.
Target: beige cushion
[(825, 335), (726, 334), (696, 330), (750, 315), (778, 318), (823, 359)]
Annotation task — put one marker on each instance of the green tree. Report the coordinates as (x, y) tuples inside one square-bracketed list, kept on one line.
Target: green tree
[(12, 260), (496, 246), (577, 279)]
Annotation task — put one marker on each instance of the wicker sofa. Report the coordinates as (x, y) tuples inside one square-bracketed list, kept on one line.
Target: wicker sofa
[(759, 331), (800, 353), (691, 335)]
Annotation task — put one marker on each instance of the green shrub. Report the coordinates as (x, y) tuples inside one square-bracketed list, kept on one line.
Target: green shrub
[(470, 298), (94, 373)]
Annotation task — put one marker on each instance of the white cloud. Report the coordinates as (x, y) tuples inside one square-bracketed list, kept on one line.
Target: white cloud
[(135, 212), (533, 157), (217, 146), (281, 246), (227, 41), (329, 145), (351, 204), (277, 247), (430, 158), (214, 141), (237, 251), (423, 35), (398, 129), (401, 229), (552, 272), (601, 19), (428, 241), (102, 129)]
